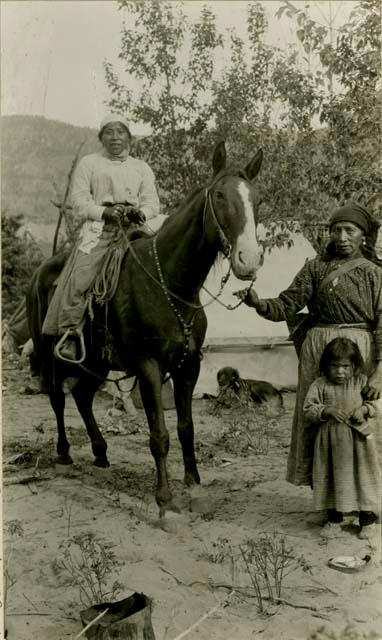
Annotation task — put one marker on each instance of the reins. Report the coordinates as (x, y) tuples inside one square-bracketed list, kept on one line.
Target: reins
[(186, 326), (225, 247)]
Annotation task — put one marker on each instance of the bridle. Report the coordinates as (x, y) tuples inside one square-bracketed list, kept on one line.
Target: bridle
[(225, 247), (225, 244)]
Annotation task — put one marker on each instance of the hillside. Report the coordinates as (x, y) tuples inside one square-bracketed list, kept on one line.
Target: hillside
[(36, 155)]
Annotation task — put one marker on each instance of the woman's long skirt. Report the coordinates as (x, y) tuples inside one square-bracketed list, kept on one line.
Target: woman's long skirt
[(300, 460), (68, 306)]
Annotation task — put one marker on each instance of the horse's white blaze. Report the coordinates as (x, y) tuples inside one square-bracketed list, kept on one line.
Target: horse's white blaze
[(247, 254)]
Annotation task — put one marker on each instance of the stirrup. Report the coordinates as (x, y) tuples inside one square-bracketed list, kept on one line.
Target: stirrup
[(61, 341)]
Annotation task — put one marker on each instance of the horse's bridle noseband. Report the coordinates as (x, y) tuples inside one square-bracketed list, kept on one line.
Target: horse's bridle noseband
[(224, 242)]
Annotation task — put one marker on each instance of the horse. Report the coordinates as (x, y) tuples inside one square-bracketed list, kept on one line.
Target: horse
[(155, 317)]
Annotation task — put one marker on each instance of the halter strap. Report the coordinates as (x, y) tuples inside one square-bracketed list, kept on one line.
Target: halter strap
[(224, 242)]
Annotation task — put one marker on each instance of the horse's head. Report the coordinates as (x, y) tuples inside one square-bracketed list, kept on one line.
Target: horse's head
[(232, 204)]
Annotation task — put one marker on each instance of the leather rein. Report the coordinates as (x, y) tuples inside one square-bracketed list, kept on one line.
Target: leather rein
[(225, 247)]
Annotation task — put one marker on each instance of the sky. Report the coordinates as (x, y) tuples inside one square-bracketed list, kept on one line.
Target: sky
[(52, 51)]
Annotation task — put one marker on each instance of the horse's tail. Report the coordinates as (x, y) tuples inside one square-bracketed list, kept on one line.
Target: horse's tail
[(37, 302)]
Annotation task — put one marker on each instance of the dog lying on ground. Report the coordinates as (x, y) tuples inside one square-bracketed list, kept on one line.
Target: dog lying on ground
[(259, 391)]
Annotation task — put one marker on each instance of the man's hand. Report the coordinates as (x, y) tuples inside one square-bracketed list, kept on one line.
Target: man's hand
[(333, 412)]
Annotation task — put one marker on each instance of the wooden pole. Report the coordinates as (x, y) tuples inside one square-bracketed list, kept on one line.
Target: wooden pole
[(62, 206)]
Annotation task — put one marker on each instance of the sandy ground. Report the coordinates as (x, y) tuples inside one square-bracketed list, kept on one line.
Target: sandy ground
[(188, 572)]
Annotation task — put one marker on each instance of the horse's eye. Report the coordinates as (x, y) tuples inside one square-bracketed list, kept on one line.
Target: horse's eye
[(219, 195)]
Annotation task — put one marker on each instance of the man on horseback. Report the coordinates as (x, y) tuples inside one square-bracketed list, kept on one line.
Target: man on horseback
[(110, 188)]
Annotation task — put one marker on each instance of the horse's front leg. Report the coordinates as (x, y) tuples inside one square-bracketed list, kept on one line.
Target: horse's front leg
[(151, 391), (185, 380)]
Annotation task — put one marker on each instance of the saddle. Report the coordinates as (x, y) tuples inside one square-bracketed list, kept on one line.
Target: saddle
[(102, 289)]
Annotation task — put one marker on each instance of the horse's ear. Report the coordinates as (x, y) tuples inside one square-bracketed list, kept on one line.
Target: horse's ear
[(253, 166), (219, 158)]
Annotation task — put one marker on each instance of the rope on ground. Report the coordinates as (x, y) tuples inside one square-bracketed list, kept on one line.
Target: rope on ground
[(91, 623), (209, 613)]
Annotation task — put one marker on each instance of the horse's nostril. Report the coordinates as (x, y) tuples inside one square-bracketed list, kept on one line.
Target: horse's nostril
[(240, 257)]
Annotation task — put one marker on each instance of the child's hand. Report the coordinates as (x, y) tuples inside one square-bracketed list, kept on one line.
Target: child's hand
[(359, 414), (333, 412)]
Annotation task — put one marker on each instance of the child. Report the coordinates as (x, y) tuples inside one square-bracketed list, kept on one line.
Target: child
[(346, 474)]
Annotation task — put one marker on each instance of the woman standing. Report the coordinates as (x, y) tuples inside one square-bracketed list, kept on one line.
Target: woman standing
[(107, 188), (343, 293)]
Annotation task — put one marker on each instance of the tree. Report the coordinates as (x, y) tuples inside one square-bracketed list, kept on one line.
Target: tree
[(263, 96), (173, 94), (350, 146)]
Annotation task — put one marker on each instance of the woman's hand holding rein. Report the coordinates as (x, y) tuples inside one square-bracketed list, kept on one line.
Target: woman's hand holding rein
[(112, 214), (251, 299)]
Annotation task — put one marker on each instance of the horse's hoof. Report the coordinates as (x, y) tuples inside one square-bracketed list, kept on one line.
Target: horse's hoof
[(101, 463), (191, 480), (199, 501), (172, 522), (64, 459)]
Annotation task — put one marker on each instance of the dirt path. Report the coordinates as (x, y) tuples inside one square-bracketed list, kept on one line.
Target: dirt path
[(186, 573)]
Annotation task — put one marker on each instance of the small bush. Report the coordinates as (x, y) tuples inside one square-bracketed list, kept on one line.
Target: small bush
[(20, 257), (266, 560), (245, 426), (88, 563)]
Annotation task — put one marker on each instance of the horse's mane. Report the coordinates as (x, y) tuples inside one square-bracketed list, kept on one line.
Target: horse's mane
[(231, 171), (183, 205)]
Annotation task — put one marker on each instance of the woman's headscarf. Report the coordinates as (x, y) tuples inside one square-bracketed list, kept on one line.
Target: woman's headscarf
[(113, 117), (357, 214)]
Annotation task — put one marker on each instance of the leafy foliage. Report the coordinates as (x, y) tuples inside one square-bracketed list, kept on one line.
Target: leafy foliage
[(261, 96), (154, 50), (20, 257)]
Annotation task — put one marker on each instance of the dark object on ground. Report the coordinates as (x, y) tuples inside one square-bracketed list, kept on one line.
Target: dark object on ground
[(259, 391), (129, 619)]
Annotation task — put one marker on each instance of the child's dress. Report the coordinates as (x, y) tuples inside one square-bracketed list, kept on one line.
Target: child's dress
[(346, 473)]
